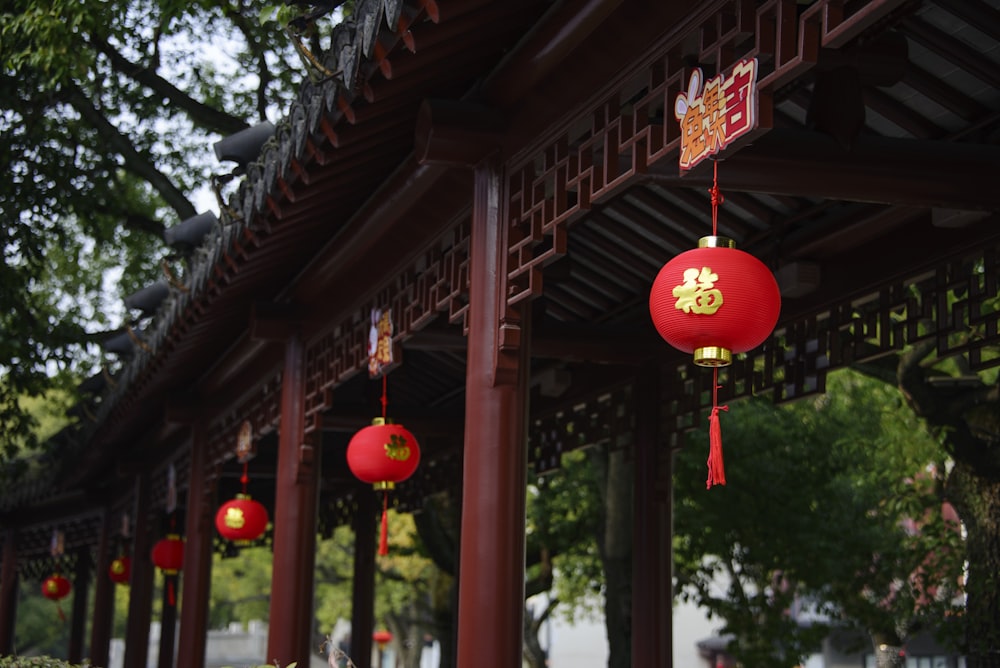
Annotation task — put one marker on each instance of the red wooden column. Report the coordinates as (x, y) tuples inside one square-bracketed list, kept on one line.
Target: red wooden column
[(652, 551), (295, 509), (168, 624), (78, 619), (197, 555), (140, 600), (100, 625), (363, 592), (491, 566), (8, 592)]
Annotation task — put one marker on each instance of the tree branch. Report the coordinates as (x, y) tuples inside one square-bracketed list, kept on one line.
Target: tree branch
[(200, 114), (135, 162)]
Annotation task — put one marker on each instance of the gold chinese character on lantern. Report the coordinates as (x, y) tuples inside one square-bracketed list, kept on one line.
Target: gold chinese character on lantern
[(698, 294), (234, 518), (397, 448)]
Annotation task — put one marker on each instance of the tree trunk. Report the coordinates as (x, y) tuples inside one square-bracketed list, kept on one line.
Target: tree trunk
[(614, 473), (977, 501)]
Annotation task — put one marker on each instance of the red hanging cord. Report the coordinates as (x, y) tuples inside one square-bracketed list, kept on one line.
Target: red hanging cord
[(717, 197), (244, 479), (383, 543), (716, 470), (384, 398)]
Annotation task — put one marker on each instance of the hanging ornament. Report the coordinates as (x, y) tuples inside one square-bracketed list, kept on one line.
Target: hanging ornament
[(120, 570), (242, 520), (56, 588), (382, 637), (168, 556), (382, 453), (712, 302)]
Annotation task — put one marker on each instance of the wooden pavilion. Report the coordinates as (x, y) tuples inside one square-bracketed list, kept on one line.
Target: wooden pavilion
[(503, 177)]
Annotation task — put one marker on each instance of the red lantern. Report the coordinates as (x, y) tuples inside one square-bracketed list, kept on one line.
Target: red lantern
[(168, 554), (120, 570), (383, 454), (714, 301), (382, 638), (241, 520), (56, 587)]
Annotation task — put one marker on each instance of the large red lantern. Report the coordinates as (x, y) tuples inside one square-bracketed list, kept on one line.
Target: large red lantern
[(383, 454), (120, 570), (713, 301), (241, 520), (56, 587)]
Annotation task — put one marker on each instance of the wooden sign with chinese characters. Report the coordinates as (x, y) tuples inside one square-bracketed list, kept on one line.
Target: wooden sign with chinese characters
[(714, 115), (380, 353), (244, 443)]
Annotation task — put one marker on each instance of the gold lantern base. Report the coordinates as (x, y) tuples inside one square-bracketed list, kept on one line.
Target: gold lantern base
[(713, 356)]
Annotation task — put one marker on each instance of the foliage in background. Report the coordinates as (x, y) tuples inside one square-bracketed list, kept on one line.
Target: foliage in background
[(108, 111), (38, 662), (816, 512)]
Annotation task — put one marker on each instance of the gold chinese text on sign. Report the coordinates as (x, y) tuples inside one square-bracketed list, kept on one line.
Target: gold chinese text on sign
[(714, 117), (698, 294)]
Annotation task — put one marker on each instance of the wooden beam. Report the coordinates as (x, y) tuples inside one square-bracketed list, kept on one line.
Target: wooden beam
[(883, 170)]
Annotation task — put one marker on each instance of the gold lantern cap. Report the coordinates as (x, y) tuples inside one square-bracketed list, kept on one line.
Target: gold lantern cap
[(713, 356), (716, 242)]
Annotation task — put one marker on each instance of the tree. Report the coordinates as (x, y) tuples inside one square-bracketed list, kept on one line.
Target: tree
[(107, 112), (961, 407), (819, 498)]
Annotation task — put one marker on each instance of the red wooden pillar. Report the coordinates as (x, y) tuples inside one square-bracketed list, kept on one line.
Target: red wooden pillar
[(140, 600), (168, 623), (491, 567), (652, 550), (8, 592), (78, 618), (295, 509), (100, 626), (363, 592), (197, 555)]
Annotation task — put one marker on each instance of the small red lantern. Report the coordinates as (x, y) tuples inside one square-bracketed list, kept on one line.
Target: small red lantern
[(56, 587), (714, 301), (382, 638), (168, 556), (120, 570), (241, 520), (383, 454)]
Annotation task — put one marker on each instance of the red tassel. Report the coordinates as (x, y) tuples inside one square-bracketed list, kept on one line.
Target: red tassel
[(716, 470), (383, 543), (62, 616)]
